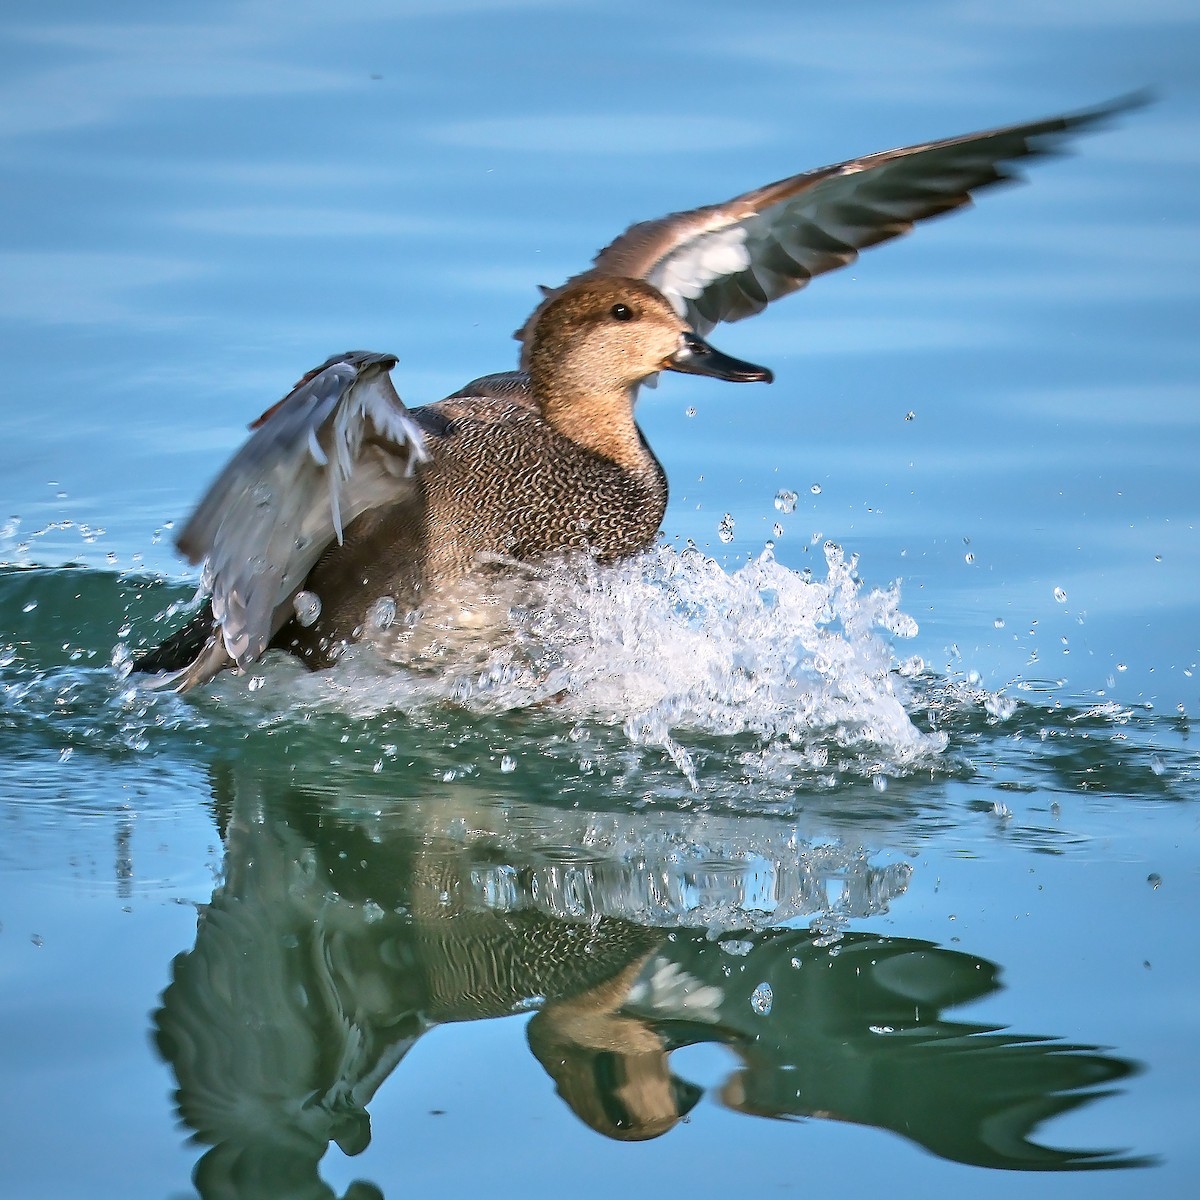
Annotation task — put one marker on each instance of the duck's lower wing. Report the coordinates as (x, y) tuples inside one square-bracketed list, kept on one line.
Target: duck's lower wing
[(340, 443)]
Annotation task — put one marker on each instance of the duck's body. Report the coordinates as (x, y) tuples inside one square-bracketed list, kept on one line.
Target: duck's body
[(343, 498), (501, 485)]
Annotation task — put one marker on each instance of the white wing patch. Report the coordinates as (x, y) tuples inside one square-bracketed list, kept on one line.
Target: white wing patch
[(667, 989), (685, 274)]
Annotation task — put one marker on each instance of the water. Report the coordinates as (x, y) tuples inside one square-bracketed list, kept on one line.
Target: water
[(867, 797)]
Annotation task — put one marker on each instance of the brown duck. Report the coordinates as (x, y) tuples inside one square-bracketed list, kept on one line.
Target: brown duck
[(343, 499)]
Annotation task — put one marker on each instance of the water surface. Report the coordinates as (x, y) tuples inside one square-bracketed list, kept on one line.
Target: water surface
[(843, 841)]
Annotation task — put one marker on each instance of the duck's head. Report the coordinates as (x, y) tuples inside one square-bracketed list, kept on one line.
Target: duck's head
[(604, 336), (613, 1070)]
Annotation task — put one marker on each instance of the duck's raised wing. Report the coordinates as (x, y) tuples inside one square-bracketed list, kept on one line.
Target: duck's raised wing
[(341, 442), (727, 261)]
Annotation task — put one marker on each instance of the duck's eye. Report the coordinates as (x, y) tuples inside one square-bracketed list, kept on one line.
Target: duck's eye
[(622, 312)]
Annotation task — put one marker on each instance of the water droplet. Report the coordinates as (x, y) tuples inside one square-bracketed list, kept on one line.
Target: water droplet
[(29, 607), (785, 500), (777, 530), (256, 682), (725, 529), (815, 489), (65, 753), (308, 608), (689, 412), (968, 557), (910, 415), (1122, 666), (37, 940), (382, 614), (999, 622), (1060, 595), (8, 655), (261, 495), (508, 764), (762, 999), (738, 947), (1154, 879), (880, 783)]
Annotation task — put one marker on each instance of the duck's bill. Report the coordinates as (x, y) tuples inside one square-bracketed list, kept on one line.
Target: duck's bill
[(696, 357)]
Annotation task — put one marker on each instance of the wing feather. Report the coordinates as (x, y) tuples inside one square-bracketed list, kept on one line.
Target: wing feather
[(339, 443), (727, 261)]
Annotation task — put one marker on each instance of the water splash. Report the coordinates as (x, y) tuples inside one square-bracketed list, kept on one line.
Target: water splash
[(729, 875), (762, 999), (382, 614), (308, 608), (667, 645), (665, 680)]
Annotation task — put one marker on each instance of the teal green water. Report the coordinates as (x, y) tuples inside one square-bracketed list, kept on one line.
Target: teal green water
[(856, 852)]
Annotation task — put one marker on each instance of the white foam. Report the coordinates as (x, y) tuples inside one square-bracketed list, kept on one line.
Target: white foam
[(667, 646)]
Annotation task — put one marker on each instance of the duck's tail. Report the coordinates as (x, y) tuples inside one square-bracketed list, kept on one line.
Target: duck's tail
[(181, 648), (192, 655)]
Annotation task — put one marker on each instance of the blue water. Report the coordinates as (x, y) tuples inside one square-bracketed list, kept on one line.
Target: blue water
[(923, 768)]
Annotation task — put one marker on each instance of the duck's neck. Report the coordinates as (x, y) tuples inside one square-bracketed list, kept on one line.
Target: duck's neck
[(603, 425), (596, 417)]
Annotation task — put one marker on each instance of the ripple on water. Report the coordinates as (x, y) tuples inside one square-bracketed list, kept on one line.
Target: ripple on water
[(747, 686)]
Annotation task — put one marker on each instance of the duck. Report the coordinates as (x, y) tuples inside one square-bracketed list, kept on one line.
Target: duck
[(343, 501)]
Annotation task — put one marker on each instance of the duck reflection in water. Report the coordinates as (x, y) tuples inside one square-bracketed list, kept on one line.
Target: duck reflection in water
[(334, 943)]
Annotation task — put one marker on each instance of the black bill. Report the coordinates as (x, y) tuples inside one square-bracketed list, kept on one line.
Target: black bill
[(696, 357)]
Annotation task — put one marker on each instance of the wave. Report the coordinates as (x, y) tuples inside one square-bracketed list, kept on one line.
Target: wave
[(665, 672)]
